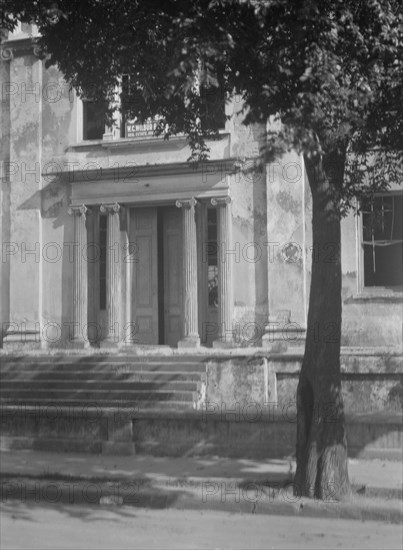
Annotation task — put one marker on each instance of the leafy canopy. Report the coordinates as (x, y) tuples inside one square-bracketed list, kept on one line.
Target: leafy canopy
[(329, 69)]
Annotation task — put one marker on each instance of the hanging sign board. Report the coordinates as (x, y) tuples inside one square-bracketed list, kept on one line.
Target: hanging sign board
[(134, 129)]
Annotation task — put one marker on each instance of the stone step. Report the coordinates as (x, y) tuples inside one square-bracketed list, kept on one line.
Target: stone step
[(139, 376), (97, 395), (102, 381), (77, 407), (69, 445), (96, 385), (121, 366), (99, 359)]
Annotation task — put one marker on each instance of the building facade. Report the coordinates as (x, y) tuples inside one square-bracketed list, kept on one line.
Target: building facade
[(111, 238)]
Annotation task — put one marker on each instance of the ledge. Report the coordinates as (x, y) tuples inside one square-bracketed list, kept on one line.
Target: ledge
[(387, 298), (282, 413), (124, 142), (137, 141)]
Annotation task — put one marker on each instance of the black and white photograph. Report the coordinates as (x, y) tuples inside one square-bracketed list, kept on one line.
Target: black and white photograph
[(201, 274)]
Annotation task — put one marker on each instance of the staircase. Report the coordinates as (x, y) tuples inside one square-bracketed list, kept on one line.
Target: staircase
[(104, 381), (87, 403)]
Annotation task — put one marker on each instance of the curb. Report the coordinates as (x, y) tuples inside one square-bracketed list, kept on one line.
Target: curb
[(218, 495)]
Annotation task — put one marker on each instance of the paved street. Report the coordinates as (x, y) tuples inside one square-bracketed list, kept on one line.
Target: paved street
[(38, 526)]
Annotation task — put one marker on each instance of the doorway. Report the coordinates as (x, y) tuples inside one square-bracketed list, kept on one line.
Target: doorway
[(156, 284)]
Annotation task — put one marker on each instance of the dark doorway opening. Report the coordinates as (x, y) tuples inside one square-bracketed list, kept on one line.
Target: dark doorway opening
[(160, 248)]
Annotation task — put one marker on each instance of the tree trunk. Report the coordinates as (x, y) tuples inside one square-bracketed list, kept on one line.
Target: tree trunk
[(321, 436)]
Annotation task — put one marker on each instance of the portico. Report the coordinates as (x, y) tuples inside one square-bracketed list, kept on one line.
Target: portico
[(149, 284)]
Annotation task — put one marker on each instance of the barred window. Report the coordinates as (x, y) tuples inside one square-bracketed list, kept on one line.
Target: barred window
[(382, 240)]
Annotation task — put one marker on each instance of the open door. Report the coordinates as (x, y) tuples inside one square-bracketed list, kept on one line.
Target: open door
[(172, 267), (143, 233), (156, 234)]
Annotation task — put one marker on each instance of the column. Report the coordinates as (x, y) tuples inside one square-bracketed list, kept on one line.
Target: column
[(225, 287), (113, 271), (190, 296), (80, 277)]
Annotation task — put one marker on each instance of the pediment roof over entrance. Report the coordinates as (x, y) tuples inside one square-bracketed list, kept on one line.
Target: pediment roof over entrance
[(150, 183)]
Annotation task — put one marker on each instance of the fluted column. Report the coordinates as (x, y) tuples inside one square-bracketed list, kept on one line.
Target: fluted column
[(113, 270), (78, 334), (225, 285), (190, 296)]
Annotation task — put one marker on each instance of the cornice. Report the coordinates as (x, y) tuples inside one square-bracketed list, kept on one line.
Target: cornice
[(120, 173), (22, 46)]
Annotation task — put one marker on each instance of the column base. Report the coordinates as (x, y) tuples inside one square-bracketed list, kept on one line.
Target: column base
[(189, 342), (224, 344), (16, 343), (79, 344), (21, 341), (109, 343)]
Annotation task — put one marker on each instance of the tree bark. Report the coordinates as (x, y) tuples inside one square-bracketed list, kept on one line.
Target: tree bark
[(321, 435)]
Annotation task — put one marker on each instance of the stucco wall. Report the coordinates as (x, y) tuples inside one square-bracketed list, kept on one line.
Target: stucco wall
[(25, 200), (249, 216), (271, 212), (289, 238), (42, 120), (4, 199)]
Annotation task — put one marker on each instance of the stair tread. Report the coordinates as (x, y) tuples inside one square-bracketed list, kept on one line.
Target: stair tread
[(120, 404), (105, 380), (50, 376), (116, 384), (183, 369)]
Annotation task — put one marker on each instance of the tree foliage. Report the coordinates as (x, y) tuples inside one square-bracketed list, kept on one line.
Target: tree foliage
[(329, 69)]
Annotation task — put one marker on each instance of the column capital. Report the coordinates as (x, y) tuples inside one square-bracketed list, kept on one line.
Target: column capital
[(6, 53), (186, 203), (111, 208), (80, 210), (37, 51), (221, 201)]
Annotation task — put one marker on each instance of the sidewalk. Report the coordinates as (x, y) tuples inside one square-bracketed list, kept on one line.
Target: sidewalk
[(236, 485)]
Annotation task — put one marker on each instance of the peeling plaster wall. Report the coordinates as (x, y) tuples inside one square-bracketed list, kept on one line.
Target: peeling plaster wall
[(250, 255), (41, 126), (25, 200), (249, 216), (58, 128), (4, 200), (289, 239)]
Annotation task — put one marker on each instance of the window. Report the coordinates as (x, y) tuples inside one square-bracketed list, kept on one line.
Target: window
[(382, 240), (213, 110), (129, 127), (213, 99), (93, 119)]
